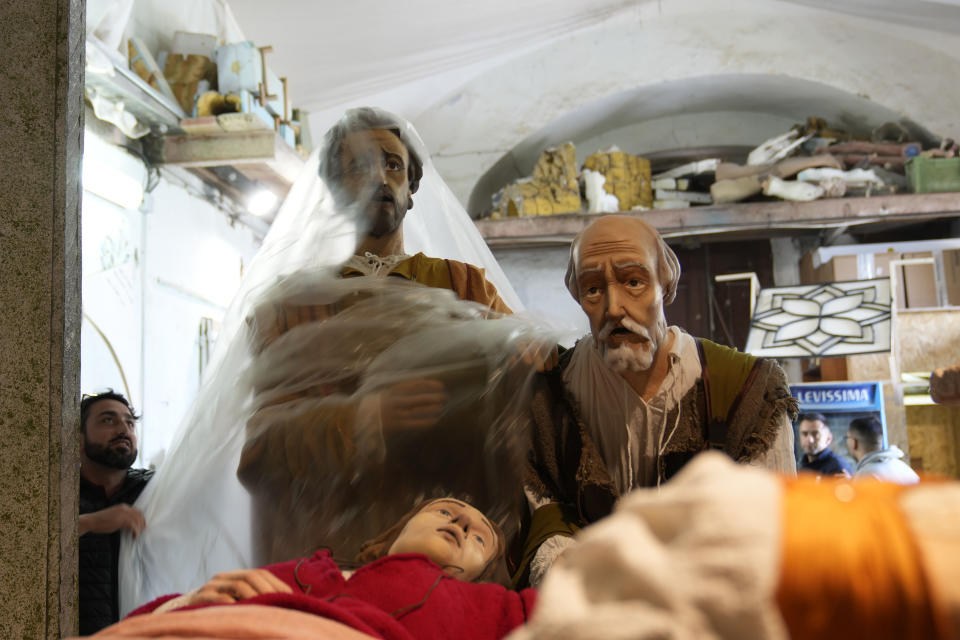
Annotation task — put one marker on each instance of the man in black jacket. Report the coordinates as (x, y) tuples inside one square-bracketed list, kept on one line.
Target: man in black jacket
[(108, 488), (815, 438)]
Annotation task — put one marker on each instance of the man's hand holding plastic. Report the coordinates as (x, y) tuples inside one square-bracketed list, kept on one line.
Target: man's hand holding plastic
[(115, 518)]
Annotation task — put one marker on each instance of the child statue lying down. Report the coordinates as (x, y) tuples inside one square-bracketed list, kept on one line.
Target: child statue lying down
[(421, 578)]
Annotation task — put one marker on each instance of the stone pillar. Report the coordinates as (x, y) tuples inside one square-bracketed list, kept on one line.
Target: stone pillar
[(41, 126)]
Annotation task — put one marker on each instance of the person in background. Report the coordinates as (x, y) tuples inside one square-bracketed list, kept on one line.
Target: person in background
[(815, 438), (865, 442), (108, 489)]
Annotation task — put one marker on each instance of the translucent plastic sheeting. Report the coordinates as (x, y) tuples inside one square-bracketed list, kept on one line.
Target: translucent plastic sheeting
[(156, 22), (316, 43), (314, 426)]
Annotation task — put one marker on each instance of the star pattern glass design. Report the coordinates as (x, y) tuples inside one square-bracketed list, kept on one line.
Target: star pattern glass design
[(831, 319)]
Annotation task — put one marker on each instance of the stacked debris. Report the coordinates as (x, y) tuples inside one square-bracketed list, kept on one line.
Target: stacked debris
[(616, 178), (552, 188), (809, 162), (813, 161), (220, 87)]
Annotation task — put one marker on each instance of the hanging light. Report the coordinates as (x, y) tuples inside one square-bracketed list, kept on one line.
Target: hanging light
[(262, 202)]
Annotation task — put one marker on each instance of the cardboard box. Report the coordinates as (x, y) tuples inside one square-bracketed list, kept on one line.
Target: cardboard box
[(917, 285), (838, 269), (881, 269), (920, 281), (951, 275)]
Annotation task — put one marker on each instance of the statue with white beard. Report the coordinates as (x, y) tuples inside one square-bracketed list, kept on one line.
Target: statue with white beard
[(636, 399)]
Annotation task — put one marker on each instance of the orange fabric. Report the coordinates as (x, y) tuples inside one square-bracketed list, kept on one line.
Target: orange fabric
[(469, 283), (272, 321), (466, 280), (850, 566), (432, 272)]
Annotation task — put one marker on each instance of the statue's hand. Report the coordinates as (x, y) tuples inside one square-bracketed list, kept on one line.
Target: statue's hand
[(542, 356), (232, 586)]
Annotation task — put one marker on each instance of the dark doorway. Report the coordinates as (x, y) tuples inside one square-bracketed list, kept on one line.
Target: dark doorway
[(718, 311)]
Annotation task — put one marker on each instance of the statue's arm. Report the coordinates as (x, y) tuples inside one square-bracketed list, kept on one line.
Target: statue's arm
[(780, 457), (470, 283), (299, 437)]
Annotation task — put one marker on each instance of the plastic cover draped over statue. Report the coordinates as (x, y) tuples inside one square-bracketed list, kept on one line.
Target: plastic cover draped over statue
[(291, 444)]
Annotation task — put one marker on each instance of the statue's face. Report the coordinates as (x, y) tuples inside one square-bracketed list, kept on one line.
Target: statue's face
[(620, 292), (451, 533), (374, 176), (814, 436)]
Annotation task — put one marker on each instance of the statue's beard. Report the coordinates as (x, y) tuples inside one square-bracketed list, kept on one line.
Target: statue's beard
[(626, 358), (384, 223), (369, 213), (386, 213), (631, 356)]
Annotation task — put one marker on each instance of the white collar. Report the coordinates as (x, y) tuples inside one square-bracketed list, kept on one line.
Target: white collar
[(370, 264)]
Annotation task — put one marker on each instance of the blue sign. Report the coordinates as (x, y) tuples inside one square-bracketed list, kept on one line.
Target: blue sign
[(840, 402), (838, 396)]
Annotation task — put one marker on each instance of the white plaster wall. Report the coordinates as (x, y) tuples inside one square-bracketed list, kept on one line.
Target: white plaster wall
[(149, 278), (911, 70), (112, 266), (537, 275), (194, 263), (686, 131)]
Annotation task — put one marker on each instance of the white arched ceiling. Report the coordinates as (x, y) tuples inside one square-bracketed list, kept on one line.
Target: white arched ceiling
[(843, 62), (736, 110)]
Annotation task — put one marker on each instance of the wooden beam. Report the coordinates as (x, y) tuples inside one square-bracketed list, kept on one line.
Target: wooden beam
[(263, 154), (752, 216)]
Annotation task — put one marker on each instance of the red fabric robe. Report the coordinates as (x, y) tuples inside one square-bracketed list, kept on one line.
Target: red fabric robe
[(399, 597)]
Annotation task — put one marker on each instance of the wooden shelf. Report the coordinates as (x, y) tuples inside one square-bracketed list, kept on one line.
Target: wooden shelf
[(233, 162), (260, 155), (146, 104), (754, 219)]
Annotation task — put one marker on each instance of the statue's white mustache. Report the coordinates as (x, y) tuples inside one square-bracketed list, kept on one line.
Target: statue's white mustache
[(627, 323)]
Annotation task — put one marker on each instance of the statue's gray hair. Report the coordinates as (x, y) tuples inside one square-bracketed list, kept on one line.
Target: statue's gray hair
[(668, 267)]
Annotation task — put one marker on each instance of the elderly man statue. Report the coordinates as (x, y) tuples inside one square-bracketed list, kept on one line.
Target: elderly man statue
[(637, 399)]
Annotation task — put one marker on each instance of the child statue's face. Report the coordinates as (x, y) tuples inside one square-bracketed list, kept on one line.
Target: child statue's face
[(451, 533)]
